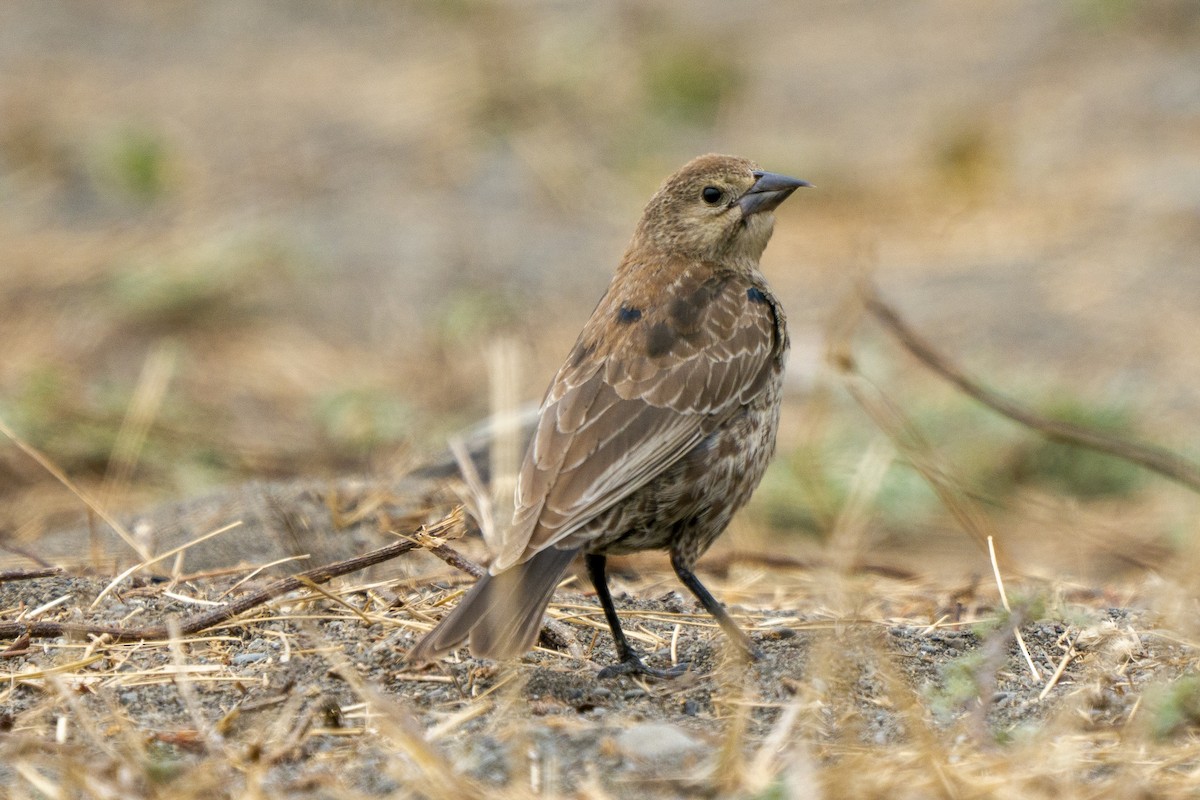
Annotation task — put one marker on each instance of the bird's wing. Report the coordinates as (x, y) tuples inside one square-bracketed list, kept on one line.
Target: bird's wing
[(635, 396)]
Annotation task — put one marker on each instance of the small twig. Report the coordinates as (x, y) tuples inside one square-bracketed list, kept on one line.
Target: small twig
[(18, 648), (29, 574), (207, 619), (996, 572), (254, 572), (445, 553), (558, 636), (720, 563), (1062, 666), (47, 606), (161, 557), (333, 598), (45, 463), (1037, 676), (1156, 459)]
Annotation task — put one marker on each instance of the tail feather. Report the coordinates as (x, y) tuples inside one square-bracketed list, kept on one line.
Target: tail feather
[(502, 614)]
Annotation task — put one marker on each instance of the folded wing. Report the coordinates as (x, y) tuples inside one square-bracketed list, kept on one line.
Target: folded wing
[(635, 396)]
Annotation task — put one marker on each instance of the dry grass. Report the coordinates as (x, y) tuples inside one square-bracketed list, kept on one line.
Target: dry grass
[(871, 687), (82, 735)]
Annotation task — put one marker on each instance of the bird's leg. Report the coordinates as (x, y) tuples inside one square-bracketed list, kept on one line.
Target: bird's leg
[(630, 662), (683, 569)]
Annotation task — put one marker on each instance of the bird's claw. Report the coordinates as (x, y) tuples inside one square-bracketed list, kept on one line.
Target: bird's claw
[(632, 665)]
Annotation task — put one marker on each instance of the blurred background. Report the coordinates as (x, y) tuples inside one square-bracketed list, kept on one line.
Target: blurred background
[(265, 240)]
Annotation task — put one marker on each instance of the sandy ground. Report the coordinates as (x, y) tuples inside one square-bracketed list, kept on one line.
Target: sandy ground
[(265, 702)]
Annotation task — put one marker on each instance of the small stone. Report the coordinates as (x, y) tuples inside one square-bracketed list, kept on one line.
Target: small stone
[(242, 659), (654, 741)]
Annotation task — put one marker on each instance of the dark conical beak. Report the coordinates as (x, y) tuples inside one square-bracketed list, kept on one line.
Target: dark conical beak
[(769, 190)]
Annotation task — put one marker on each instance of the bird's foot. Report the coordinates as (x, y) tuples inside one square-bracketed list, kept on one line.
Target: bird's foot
[(633, 665)]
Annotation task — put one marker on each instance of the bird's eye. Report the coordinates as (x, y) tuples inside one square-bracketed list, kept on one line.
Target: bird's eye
[(711, 195)]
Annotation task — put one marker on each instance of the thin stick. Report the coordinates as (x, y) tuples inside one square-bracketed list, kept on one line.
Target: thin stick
[(1037, 676), (18, 648), (447, 554), (149, 561), (29, 574), (996, 572), (42, 609), (48, 465), (257, 570), (1156, 459), (1062, 666), (331, 597), (450, 524)]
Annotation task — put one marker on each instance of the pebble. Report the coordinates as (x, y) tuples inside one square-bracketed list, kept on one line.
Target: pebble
[(653, 741), (247, 658)]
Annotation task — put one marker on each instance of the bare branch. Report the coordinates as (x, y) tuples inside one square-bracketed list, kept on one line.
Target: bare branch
[(1156, 459), (444, 528)]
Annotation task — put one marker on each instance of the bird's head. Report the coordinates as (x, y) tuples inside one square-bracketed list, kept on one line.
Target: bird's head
[(717, 208)]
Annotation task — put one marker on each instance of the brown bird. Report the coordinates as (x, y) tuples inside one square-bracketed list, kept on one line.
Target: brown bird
[(659, 425)]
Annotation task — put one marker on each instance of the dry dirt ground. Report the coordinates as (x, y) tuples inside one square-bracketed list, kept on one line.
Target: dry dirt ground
[(269, 697), (925, 688)]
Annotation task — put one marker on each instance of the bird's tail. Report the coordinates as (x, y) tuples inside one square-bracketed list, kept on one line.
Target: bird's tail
[(502, 614)]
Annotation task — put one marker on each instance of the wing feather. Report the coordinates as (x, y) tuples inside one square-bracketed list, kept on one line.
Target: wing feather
[(614, 420)]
